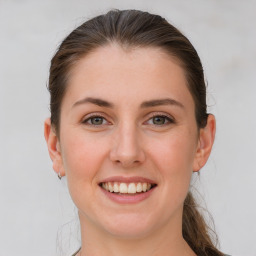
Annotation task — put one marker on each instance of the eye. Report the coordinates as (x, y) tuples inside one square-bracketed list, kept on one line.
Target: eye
[(160, 120), (95, 120)]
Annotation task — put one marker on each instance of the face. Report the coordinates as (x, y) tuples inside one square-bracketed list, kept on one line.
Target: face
[(128, 141)]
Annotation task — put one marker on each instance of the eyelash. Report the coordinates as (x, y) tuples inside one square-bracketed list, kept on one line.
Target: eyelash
[(168, 120), (86, 121)]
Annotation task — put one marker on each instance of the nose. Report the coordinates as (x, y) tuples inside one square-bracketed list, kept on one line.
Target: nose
[(126, 148)]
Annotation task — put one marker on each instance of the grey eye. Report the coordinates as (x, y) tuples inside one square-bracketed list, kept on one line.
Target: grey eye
[(159, 120), (96, 120)]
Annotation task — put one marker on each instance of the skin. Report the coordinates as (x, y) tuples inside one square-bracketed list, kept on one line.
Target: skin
[(129, 142)]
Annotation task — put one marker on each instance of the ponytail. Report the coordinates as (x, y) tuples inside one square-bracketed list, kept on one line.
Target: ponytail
[(196, 232)]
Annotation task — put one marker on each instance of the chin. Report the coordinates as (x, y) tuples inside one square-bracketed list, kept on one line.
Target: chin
[(129, 227)]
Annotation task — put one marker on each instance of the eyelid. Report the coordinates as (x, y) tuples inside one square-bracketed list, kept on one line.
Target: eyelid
[(170, 118), (92, 115)]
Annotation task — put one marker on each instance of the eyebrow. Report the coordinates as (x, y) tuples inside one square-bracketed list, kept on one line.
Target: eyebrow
[(145, 104), (159, 102), (96, 101)]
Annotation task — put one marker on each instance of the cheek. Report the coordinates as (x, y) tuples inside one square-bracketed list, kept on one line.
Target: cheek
[(82, 159), (82, 156), (173, 161), (174, 157)]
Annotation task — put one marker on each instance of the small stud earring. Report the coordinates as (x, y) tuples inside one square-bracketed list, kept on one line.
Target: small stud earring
[(59, 175)]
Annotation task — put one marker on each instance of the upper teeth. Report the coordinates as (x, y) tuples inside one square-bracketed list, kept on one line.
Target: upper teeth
[(124, 188)]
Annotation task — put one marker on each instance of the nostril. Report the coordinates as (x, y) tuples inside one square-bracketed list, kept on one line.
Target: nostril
[(127, 151)]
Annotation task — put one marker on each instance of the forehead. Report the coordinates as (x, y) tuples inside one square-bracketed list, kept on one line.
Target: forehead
[(139, 59), (118, 73)]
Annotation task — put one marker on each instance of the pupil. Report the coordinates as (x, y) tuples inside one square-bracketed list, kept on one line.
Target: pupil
[(97, 120), (158, 120)]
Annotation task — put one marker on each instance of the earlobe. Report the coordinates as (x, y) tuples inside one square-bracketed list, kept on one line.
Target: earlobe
[(53, 147), (205, 143)]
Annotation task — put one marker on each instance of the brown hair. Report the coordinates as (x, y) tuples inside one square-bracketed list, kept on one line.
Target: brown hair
[(132, 28)]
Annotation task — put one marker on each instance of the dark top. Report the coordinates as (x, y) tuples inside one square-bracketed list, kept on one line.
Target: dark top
[(80, 248)]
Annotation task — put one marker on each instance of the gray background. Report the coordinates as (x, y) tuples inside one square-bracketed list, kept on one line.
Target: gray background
[(35, 205)]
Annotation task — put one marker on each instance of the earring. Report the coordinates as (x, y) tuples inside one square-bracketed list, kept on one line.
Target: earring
[(59, 175)]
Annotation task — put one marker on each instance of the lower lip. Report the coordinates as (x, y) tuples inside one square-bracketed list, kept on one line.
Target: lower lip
[(128, 198)]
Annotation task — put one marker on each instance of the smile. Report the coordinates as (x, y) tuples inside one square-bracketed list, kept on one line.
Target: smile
[(127, 188)]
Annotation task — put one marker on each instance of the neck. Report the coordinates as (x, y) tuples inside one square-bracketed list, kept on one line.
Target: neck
[(165, 241)]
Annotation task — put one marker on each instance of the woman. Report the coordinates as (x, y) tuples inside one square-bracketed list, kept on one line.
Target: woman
[(128, 127)]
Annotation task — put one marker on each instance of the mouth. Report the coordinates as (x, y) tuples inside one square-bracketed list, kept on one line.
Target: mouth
[(130, 188)]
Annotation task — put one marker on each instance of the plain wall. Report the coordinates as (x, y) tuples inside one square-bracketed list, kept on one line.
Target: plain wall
[(35, 204)]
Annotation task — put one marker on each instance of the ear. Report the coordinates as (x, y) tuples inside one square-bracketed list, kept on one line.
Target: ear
[(205, 143), (53, 145)]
